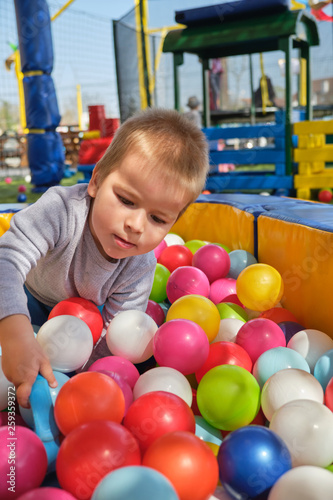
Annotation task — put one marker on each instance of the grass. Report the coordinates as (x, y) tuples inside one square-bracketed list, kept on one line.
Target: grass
[(9, 192)]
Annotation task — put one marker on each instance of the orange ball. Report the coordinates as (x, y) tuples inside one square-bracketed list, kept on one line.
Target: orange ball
[(188, 463), (87, 397), (278, 315), (198, 309), (259, 287)]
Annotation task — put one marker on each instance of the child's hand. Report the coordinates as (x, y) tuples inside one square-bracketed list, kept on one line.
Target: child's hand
[(22, 357)]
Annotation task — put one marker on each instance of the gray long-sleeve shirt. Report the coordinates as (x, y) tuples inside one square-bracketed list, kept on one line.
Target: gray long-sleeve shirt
[(50, 248)]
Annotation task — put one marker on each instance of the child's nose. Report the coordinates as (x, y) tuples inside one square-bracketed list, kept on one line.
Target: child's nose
[(136, 221)]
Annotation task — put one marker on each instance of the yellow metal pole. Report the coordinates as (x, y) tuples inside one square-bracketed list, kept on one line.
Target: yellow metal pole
[(79, 105), (19, 76), (142, 90), (61, 10), (302, 83)]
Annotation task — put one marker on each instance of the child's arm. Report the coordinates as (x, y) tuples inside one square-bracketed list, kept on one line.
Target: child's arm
[(22, 356)]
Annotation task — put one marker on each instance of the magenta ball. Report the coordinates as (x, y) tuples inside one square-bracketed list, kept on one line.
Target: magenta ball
[(258, 336), (22, 188), (159, 249), (181, 344), (187, 280), (221, 289), (47, 493), (213, 260), (26, 453), (120, 365), (124, 386), (155, 311)]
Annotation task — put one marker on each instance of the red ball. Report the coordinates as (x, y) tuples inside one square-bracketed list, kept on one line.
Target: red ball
[(175, 256), (278, 314), (329, 395), (213, 260), (188, 463), (22, 188), (90, 452), (86, 397), (225, 353), (154, 414), (325, 195), (187, 280), (83, 309), (155, 311)]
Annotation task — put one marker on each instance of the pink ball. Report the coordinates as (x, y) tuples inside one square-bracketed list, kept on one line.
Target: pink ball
[(222, 289), (23, 461), (259, 335), (22, 188), (213, 260), (159, 249), (8, 180), (47, 493), (117, 364), (187, 280), (124, 386), (155, 311), (181, 344)]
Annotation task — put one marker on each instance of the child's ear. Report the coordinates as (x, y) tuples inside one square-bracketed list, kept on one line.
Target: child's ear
[(93, 183)]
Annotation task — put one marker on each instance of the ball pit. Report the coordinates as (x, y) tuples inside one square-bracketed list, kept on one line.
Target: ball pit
[(187, 280), (311, 344), (303, 482), (231, 310), (222, 289), (175, 256), (47, 493), (117, 364), (228, 330), (213, 260), (239, 260), (289, 328), (323, 370), (258, 335), (158, 291)]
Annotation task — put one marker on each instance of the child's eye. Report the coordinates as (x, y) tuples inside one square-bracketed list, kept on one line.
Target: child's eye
[(157, 219), (125, 201)]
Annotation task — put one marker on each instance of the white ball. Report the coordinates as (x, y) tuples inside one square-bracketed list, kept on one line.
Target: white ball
[(165, 379), (303, 483), (67, 342), (5, 385), (130, 335), (173, 239), (311, 344), (228, 330), (307, 429), (287, 385)]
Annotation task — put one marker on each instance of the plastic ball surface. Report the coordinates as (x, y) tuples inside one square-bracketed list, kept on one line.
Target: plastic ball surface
[(130, 335), (139, 482), (198, 309), (222, 289), (166, 379), (87, 397), (239, 260), (231, 310), (276, 359), (158, 291), (251, 460), (228, 330), (83, 309), (278, 314), (258, 335), (26, 453), (213, 260), (119, 365), (228, 397), (259, 287), (175, 256), (305, 482), (67, 341), (188, 463), (47, 493), (289, 328), (181, 344), (329, 395), (155, 311), (156, 413), (90, 452), (287, 385), (311, 344), (306, 427), (323, 370), (187, 280)]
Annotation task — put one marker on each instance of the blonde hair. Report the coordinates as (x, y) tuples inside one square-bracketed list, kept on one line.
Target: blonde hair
[(167, 141)]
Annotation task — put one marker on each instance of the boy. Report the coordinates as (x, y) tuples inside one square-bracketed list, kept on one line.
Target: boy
[(96, 241)]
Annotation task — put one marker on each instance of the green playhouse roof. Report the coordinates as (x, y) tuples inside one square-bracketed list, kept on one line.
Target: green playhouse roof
[(245, 36)]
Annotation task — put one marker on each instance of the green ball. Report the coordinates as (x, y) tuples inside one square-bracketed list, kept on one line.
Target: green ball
[(194, 245), (329, 467), (158, 291), (230, 310), (227, 249), (228, 397)]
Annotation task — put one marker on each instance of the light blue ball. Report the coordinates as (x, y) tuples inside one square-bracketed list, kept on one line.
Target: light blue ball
[(276, 359), (323, 370), (239, 260), (139, 482), (207, 432)]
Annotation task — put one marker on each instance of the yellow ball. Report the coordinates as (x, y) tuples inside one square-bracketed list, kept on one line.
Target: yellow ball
[(259, 287), (198, 309)]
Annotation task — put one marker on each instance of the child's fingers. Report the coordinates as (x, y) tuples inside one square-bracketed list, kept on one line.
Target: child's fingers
[(46, 371), (22, 394)]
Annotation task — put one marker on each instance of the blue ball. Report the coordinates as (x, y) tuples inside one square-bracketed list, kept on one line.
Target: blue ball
[(22, 198), (323, 370), (251, 459), (139, 482), (276, 359), (239, 260)]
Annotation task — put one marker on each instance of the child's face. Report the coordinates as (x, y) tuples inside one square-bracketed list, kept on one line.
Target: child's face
[(133, 209)]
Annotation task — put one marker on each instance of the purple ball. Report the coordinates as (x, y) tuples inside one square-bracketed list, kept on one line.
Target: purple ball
[(289, 329)]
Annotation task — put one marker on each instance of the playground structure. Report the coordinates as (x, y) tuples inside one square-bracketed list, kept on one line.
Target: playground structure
[(244, 30)]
